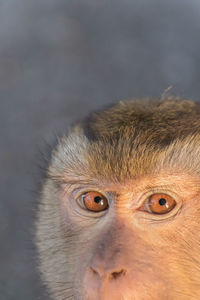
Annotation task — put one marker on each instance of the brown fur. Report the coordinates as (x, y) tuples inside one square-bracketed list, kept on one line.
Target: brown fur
[(129, 149)]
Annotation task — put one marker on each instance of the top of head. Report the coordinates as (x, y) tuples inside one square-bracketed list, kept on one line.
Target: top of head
[(130, 139), (158, 121)]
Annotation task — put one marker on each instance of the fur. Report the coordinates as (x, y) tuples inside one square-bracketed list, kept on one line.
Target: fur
[(127, 141)]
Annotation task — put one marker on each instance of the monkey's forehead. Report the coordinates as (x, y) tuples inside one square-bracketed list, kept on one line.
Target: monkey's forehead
[(131, 139)]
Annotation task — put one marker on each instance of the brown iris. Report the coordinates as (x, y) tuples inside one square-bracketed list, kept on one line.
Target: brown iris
[(161, 203), (94, 201)]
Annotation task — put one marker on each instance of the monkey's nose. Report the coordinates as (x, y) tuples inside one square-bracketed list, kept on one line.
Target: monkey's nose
[(97, 280), (108, 274)]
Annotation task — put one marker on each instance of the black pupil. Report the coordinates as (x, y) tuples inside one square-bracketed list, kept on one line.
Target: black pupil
[(162, 201), (97, 199)]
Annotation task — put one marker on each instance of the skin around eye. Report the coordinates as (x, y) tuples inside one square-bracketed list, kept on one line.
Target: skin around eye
[(93, 201), (161, 203)]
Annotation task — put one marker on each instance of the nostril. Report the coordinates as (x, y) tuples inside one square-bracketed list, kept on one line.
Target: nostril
[(117, 274), (94, 272)]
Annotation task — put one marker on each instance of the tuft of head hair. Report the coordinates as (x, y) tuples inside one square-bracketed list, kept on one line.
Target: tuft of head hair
[(130, 139)]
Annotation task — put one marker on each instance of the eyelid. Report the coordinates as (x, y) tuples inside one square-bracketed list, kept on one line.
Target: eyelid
[(76, 193), (145, 214), (160, 190), (83, 190), (75, 190), (143, 199)]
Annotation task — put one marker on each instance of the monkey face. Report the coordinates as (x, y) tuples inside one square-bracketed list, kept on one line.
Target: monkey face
[(120, 210)]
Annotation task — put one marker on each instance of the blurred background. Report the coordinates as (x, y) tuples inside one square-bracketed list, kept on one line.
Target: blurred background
[(58, 61)]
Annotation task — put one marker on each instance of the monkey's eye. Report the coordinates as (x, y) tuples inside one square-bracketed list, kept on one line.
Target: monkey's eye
[(161, 203), (93, 201)]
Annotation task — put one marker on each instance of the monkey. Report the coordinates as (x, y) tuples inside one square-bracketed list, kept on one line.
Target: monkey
[(119, 211)]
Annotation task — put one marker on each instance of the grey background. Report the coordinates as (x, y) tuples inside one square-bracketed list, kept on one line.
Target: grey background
[(61, 59)]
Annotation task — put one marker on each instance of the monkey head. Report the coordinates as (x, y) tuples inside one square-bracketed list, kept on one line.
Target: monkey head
[(119, 213)]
